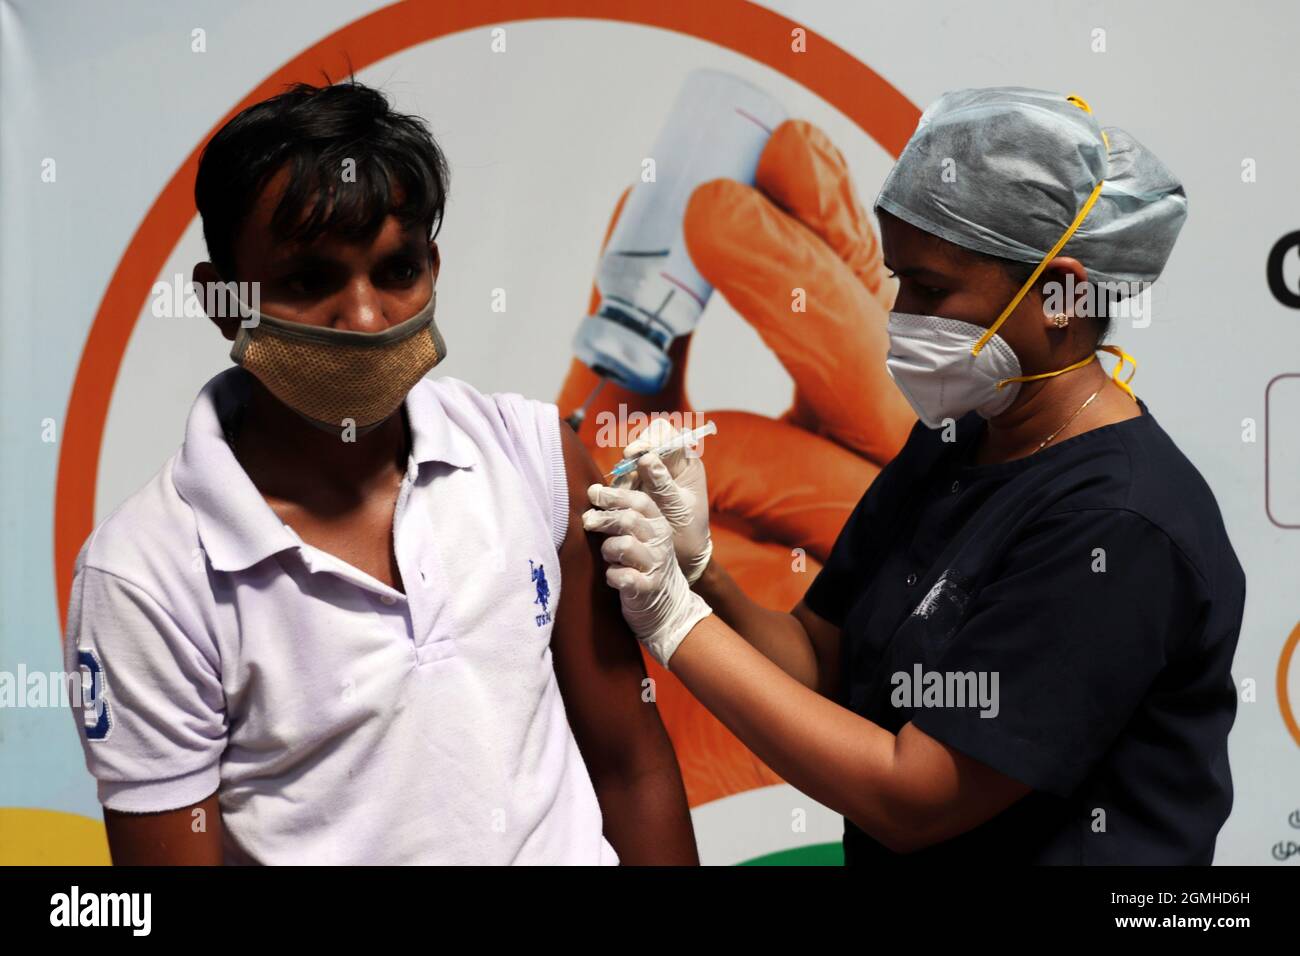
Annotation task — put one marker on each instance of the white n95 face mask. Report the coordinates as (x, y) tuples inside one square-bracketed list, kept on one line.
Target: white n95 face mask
[(930, 361)]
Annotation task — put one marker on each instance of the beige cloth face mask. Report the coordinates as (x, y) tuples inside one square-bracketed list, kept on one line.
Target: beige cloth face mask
[(334, 376)]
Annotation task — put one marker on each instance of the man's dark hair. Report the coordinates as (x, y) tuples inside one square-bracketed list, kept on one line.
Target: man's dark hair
[(313, 130)]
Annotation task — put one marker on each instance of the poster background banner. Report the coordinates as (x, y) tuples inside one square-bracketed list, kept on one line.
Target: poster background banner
[(545, 111)]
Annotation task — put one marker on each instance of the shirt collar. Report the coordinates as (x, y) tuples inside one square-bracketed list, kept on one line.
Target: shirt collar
[(434, 435), (236, 527)]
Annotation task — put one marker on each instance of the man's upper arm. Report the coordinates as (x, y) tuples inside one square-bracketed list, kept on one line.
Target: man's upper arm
[(597, 659), (150, 714), (190, 836)]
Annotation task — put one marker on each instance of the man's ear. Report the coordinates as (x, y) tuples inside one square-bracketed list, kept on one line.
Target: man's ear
[(434, 258), (205, 275)]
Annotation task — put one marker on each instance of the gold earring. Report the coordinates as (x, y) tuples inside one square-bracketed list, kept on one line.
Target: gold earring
[(1060, 320)]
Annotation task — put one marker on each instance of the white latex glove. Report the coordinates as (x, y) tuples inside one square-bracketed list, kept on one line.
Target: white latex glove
[(658, 604), (677, 485)]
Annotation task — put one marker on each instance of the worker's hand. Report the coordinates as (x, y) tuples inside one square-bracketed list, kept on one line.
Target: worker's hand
[(797, 258), (658, 604), (677, 485)]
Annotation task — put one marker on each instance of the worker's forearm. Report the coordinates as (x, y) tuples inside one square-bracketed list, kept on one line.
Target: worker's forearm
[(778, 635), (838, 758)]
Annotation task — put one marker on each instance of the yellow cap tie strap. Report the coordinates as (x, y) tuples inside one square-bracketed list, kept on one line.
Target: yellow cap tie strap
[(1060, 371), (1080, 102), (1119, 366), (1029, 283)]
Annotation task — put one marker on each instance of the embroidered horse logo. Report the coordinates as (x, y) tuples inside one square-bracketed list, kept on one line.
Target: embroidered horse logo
[(543, 598)]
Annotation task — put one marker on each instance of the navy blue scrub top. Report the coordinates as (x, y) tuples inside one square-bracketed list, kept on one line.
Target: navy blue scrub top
[(1095, 579)]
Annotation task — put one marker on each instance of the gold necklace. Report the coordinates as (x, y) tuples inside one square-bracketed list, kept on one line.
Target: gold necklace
[(1068, 420)]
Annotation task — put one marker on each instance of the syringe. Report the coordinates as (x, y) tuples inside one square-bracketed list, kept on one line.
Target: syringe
[(650, 293), (680, 440)]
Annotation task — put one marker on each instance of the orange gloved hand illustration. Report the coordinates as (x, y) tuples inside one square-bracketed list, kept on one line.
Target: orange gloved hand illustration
[(797, 257)]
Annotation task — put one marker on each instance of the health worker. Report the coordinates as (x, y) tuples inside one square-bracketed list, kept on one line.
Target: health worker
[(1019, 648)]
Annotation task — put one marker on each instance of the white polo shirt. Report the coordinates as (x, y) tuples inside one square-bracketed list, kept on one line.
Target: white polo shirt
[(339, 720)]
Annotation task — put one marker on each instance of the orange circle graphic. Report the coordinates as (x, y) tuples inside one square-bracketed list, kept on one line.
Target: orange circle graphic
[(762, 35), (1283, 697)]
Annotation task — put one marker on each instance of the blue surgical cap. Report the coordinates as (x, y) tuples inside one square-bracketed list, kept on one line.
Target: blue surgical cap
[(1005, 170)]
